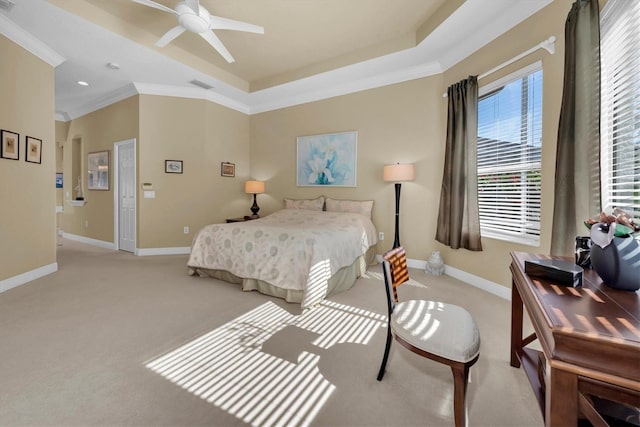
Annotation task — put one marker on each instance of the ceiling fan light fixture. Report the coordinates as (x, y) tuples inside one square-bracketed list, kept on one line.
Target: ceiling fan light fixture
[(196, 23), (196, 18)]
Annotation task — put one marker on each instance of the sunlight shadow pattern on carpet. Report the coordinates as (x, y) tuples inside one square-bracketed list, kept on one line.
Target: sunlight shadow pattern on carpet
[(228, 368)]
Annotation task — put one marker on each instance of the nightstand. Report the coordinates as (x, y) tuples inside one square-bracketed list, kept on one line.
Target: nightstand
[(240, 219)]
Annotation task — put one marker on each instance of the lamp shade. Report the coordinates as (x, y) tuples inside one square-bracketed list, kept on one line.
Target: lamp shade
[(399, 172), (254, 187)]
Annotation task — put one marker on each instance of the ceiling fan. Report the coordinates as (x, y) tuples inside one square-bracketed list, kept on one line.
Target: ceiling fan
[(193, 17)]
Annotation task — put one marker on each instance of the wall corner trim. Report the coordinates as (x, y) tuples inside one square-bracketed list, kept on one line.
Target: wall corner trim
[(27, 277)]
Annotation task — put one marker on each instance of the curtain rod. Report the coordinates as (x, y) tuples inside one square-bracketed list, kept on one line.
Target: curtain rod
[(549, 45)]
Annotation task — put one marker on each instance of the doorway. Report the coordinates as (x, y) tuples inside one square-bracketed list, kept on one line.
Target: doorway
[(125, 195)]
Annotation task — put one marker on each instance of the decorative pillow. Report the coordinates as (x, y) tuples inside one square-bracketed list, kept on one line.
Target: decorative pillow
[(362, 207), (310, 204)]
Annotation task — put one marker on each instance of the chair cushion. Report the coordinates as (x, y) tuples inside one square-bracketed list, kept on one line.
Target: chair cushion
[(445, 330)]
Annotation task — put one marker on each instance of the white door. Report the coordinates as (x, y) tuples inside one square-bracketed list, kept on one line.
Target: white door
[(126, 195)]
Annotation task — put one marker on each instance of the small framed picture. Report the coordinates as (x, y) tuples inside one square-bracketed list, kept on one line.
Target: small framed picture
[(10, 145), (33, 150), (228, 169), (173, 166), (59, 181)]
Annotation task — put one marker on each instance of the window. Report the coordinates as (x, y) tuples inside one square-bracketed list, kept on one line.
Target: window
[(620, 110), (509, 154)]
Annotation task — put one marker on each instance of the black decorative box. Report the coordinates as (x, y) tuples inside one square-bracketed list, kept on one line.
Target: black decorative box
[(560, 272)]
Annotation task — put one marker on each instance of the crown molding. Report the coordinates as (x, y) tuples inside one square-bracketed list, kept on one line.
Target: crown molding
[(22, 38), (410, 64), (327, 85), (61, 116), (124, 92), (191, 93), (351, 79)]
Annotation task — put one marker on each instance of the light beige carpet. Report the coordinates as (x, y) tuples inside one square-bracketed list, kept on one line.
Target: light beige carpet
[(112, 339)]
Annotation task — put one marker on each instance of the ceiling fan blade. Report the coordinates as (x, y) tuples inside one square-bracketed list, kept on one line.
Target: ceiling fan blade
[(193, 5), (214, 41), (218, 23), (155, 5), (170, 35)]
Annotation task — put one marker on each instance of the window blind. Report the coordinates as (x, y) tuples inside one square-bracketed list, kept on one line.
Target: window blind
[(620, 109), (509, 157)]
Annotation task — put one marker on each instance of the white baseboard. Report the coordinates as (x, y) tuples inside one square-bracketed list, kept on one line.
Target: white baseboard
[(164, 251), (90, 241), (139, 252), (471, 279), (479, 282), (23, 278)]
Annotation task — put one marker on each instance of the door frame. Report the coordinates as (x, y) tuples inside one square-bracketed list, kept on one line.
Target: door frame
[(116, 193)]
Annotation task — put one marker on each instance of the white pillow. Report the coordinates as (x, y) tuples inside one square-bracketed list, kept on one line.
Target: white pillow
[(309, 204), (362, 207)]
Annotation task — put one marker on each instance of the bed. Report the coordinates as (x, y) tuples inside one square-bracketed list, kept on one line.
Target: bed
[(299, 255)]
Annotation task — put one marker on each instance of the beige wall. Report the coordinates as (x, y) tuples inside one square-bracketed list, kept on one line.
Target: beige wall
[(199, 133), (97, 131), (406, 123), (397, 123), (493, 262), (27, 192), (202, 135)]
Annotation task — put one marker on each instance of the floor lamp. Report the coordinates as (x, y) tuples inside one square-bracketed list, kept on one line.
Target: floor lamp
[(254, 187), (398, 173)]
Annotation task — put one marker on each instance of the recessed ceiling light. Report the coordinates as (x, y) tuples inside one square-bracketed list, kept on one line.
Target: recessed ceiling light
[(82, 83), (113, 65)]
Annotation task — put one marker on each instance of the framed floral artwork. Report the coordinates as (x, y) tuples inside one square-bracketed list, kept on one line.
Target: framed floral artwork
[(327, 160), (10, 145), (33, 150)]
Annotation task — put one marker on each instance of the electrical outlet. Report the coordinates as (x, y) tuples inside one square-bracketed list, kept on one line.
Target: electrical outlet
[(381, 236), (185, 230), (86, 224)]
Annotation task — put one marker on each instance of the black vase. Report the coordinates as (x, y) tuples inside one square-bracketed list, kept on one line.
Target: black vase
[(618, 263), (583, 251)]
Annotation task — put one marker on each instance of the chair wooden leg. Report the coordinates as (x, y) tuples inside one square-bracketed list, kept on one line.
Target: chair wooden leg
[(383, 365), (460, 381)]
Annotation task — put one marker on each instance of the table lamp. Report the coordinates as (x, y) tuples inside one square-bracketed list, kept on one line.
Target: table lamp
[(254, 187)]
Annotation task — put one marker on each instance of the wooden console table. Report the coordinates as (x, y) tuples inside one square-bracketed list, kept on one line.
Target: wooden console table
[(590, 338)]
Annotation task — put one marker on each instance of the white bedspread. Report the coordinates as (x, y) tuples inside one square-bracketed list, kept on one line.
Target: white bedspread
[(290, 249)]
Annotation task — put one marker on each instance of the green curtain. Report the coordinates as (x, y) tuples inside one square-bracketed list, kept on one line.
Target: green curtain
[(458, 218), (577, 180)]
